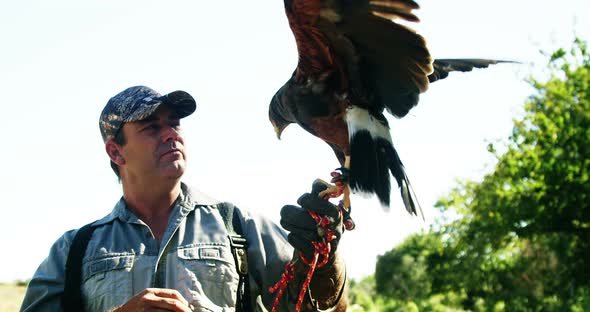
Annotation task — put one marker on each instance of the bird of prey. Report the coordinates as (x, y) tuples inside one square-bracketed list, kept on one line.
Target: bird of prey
[(355, 63)]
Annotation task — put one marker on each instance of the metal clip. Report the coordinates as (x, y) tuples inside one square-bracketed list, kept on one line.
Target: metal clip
[(238, 245)]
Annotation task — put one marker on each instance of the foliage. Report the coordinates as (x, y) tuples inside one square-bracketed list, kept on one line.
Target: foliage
[(522, 241), (364, 297)]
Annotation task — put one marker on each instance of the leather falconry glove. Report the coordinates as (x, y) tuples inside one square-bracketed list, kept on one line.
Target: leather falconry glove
[(303, 228)]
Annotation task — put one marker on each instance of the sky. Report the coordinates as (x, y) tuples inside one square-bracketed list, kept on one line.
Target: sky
[(60, 62)]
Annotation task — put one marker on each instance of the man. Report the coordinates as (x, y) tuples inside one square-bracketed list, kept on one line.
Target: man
[(165, 247)]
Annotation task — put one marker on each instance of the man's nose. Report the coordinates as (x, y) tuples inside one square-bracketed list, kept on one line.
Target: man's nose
[(171, 134)]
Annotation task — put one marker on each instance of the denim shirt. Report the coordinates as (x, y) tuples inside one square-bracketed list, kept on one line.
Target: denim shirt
[(193, 257)]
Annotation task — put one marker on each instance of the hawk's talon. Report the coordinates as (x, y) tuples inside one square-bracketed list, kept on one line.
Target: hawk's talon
[(349, 225), (340, 178), (340, 175), (346, 219)]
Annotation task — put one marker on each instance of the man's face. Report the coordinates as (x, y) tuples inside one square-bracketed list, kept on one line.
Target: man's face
[(154, 146)]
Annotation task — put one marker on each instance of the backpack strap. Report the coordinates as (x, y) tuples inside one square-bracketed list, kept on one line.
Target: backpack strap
[(71, 299), (238, 245)]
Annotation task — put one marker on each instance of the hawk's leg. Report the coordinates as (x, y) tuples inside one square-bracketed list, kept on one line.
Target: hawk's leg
[(340, 187)]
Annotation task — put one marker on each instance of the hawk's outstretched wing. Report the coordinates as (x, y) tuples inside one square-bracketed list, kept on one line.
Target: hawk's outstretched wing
[(355, 63), (357, 48)]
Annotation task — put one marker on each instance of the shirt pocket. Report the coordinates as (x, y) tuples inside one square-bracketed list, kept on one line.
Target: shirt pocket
[(108, 281), (209, 276)]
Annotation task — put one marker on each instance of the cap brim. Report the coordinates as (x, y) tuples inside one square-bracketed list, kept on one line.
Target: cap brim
[(181, 102)]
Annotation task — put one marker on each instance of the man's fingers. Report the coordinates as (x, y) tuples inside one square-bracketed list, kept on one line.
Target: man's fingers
[(296, 218), (317, 187), (318, 205), (169, 293), (310, 235), (301, 244), (156, 299), (165, 299), (303, 229), (170, 304)]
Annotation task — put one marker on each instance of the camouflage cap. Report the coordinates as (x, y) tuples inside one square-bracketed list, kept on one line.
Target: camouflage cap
[(137, 103)]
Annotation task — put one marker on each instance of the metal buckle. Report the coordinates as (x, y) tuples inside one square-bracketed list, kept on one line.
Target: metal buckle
[(238, 245)]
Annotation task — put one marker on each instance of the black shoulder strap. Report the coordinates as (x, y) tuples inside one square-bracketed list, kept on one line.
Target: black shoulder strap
[(71, 299), (238, 244)]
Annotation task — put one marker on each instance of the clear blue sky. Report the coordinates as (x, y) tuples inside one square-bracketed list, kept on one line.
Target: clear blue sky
[(62, 60)]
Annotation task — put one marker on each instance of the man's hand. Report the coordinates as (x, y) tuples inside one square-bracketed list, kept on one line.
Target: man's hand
[(156, 299), (303, 228)]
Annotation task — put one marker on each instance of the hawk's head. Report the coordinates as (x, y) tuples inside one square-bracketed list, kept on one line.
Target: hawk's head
[(277, 114)]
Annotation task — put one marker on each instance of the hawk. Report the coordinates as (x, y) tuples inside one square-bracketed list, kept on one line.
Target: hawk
[(356, 63)]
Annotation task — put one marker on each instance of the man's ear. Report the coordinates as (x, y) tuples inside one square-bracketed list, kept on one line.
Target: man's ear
[(114, 152)]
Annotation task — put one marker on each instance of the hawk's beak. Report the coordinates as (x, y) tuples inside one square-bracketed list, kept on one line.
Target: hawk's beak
[(278, 131)]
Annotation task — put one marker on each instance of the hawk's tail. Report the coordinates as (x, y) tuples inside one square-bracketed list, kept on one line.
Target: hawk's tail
[(399, 173), (371, 160)]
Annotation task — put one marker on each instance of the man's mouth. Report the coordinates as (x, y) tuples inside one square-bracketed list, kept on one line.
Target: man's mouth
[(175, 151)]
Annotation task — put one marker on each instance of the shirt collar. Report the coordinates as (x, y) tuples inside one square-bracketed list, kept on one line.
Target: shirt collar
[(187, 200)]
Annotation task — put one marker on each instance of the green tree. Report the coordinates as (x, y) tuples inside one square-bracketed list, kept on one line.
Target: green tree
[(526, 226), (401, 272)]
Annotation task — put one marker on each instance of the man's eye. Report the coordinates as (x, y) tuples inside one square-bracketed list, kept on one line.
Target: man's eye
[(151, 127)]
